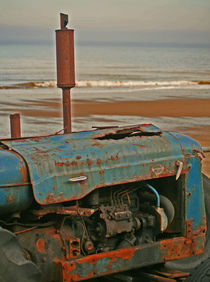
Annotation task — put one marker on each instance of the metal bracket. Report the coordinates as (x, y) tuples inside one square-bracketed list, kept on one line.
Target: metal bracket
[(64, 20)]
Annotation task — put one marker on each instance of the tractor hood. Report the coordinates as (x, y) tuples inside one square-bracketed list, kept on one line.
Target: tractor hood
[(68, 167)]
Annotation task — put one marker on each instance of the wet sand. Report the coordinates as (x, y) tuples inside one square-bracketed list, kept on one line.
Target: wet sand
[(160, 108), (169, 108)]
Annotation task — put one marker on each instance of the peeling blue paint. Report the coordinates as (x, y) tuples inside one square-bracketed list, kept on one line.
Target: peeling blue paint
[(105, 161)]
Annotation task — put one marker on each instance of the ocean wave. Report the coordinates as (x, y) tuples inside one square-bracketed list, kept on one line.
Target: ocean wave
[(107, 84), (130, 83), (201, 82), (44, 84)]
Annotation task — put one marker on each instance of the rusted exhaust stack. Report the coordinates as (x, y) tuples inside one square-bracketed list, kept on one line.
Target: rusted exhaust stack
[(65, 67), (15, 127)]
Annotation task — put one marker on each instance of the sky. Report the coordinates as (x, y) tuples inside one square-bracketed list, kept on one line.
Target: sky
[(140, 21)]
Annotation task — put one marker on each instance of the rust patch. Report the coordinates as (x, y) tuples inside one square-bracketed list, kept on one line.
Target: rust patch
[(74, 211), (59, 164), (169, 249), (139, 145), (69, 268), (23, 172), (99, 161), (188, 228), (157, 169), (114, 158), (89, 162), (73, 163), (40, 245), (182, 247), (50, 198)]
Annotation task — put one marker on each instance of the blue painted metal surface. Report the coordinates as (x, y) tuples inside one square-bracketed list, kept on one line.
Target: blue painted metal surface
[(15, 188), (105, 157), (195, 208)]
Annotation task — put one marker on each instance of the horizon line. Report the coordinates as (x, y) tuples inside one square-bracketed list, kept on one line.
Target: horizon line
[(110, 43)]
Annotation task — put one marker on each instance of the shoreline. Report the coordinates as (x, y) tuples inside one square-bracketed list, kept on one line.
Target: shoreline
[(164, 108)]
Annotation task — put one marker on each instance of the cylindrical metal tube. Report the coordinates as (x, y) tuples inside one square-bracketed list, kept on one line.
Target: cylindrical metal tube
[(15, 125), (65, 58), (66, 110)]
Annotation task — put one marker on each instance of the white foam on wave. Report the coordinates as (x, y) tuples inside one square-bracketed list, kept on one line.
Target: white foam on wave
[(114, 84), (46, 84), (130, 83), (123, 83)]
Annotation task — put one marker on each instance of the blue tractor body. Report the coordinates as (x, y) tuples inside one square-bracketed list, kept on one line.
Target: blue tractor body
[(108, 183)]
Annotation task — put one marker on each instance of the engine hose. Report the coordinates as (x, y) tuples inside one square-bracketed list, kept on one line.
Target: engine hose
[(156, 194)]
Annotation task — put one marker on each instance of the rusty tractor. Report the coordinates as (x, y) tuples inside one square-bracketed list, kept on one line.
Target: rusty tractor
[(83, 205)]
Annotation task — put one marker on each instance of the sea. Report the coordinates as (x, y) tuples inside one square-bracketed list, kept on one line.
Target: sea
[(105, 72)]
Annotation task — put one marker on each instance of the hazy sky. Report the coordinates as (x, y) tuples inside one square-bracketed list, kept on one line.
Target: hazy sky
[(171, 21)]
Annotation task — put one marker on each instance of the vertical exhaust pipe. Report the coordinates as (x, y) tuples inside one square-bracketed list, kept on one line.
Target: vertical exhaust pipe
[(65, 67)]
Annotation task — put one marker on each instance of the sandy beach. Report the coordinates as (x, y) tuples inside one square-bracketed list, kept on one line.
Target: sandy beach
[(159, 108)]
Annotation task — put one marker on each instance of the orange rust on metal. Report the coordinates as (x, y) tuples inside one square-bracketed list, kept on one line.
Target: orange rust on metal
[(15, 125), (201, 229), (65, 68), (25, 230), (52, 231), (59, 164), (157, 169), (50, 198), (99, 161), (170, 249), (189, 230), (89, 162), (66, 110), (23, 172), (75, 247), (40, 245), (114, 158), (143, 146), (113, 255), (73, 163), (182, 247), (76, 211), (65, 58), (73, 210), (69, 267)]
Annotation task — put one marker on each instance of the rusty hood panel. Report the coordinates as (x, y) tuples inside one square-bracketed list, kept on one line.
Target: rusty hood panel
[(68, 167)]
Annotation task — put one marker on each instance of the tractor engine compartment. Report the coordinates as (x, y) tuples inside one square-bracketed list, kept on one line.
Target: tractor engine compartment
[(119, 217)]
